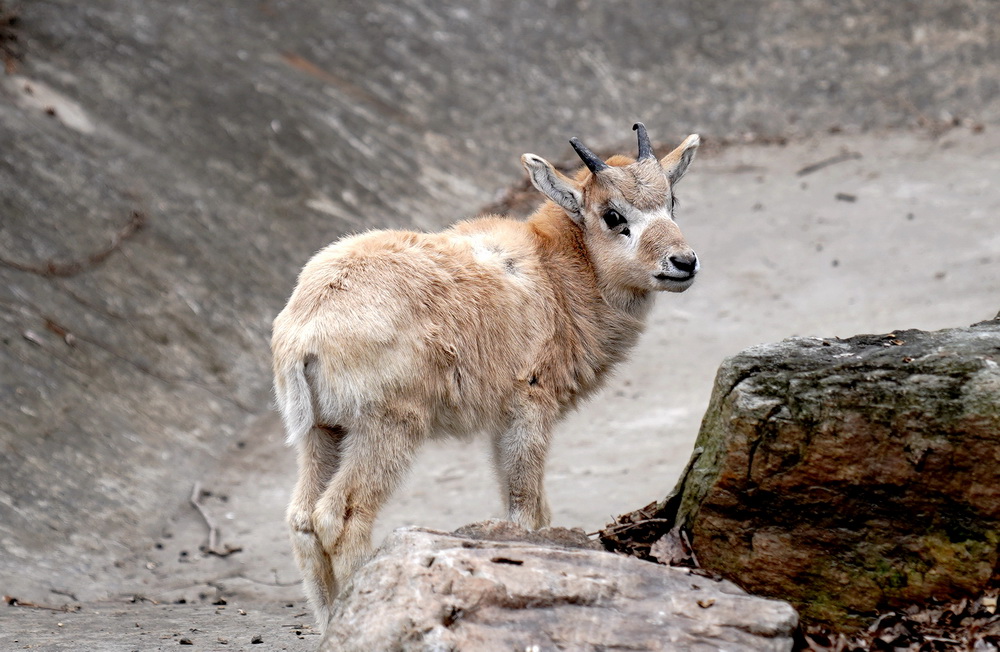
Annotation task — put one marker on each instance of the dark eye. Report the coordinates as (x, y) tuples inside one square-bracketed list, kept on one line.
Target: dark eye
[(614, 220)]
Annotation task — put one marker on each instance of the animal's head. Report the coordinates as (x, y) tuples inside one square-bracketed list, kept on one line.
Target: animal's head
[(625, 209)]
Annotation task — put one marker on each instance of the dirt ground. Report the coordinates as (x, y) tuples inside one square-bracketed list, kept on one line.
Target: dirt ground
[(833, 236)]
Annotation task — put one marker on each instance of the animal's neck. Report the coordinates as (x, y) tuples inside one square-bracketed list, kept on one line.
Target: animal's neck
[(618, 315), (634, 303)]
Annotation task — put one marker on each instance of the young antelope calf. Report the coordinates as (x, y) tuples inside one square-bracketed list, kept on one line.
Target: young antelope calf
[(493, 325)]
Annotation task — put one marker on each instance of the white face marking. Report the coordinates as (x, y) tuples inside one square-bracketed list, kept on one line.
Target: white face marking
[(651, 256)]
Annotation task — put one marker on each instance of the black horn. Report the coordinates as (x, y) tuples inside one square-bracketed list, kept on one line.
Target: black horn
[(645, 147), (595, 164)]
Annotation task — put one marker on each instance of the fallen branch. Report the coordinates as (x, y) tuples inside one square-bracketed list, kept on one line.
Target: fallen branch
[(213, 530), (53, 269)]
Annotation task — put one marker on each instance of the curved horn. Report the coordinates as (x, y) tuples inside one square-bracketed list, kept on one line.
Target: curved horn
[(595, 164), (645, 147)]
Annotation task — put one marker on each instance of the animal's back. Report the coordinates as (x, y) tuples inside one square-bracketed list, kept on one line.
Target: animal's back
[(451, 320)]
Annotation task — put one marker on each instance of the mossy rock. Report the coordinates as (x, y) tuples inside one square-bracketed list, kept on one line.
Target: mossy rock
[(852, 476)]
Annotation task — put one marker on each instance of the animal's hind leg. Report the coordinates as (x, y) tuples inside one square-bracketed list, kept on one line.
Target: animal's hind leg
[(319, 457), (376, 457)]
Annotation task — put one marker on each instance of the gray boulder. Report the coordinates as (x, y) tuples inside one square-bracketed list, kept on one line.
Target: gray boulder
[(852, 476), (495, 586)]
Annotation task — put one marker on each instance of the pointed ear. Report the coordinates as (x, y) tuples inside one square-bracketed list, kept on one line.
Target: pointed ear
[(554, 185), (676, 163)]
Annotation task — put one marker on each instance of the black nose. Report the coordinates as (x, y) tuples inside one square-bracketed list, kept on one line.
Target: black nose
[(686, 263)]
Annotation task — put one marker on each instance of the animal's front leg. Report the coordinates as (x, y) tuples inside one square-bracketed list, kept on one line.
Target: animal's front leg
[(519, 454)]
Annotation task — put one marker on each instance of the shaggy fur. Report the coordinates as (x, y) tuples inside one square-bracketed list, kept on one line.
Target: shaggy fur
[(494, 325)]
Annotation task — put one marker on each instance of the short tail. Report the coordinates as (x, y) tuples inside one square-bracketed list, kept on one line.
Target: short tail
[(295, 400)]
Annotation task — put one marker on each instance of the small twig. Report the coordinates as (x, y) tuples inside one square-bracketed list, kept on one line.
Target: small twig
[(53, 269), (14, 602), (213, 530), (625, 526), (136, 599), (833, 160), (276, 581)]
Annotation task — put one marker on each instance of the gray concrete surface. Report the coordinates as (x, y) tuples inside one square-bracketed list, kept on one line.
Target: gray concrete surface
[(249, 135)]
